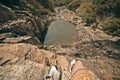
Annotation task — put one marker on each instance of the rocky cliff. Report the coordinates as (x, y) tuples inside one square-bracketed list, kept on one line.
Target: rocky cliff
[(22, 30), (24, 21), (22, 62), (27, 62)]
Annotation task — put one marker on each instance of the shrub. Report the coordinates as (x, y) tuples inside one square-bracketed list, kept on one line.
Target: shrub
[(112, 26), (73, 5), (61, 2)]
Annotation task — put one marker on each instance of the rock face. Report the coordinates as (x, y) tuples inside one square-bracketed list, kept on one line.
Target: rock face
[(23, 25), (6, 14), (27, 62), (23, 21), (24, 62), (18, 63), (65, 14), (27, 71), (33, 26)]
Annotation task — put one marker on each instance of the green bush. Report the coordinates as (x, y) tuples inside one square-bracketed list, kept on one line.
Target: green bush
[(112, 26), (107, 12), (61, 2), (6, 14), (73, 5), (89, 19), (34, 6), (10, 3)]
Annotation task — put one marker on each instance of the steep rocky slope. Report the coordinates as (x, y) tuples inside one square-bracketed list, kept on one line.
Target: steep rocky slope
[(23, 62), (24, 21)]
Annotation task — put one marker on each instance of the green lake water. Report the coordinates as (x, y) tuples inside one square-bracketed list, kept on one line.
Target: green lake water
[(60, 31)]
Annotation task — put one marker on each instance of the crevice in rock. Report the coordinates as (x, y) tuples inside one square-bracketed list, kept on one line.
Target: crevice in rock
[(4, 62), (44, 32)]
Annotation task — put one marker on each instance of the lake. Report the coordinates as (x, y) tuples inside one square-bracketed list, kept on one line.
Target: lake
[(60, 31)]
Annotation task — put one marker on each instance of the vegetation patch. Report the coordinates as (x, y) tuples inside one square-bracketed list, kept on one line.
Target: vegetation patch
[(112, 26), (37, 7), (101, 12)]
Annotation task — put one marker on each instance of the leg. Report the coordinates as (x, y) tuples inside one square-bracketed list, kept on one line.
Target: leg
[(79, 72)]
